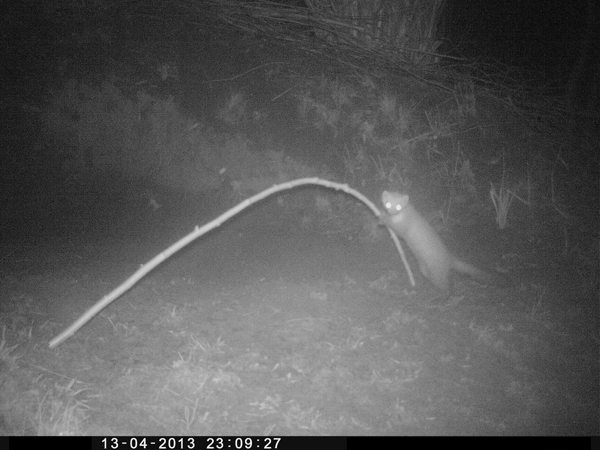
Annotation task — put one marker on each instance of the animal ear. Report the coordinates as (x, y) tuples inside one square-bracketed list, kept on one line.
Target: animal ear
[(403, 201)]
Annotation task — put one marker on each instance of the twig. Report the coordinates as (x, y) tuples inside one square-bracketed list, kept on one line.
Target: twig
[(158, 259)]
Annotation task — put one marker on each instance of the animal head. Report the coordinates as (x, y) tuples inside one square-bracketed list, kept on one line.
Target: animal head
[(394, 201)]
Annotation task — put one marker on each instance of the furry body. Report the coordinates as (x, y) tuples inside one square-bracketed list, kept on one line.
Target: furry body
[(435, 261)]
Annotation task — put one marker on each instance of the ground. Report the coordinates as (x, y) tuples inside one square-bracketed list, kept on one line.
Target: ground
[(263, 329)]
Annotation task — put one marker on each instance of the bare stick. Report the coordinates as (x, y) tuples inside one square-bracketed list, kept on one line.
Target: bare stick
[(197, 232)]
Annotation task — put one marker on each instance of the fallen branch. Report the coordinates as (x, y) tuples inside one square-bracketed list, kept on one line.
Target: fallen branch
[(158, 259)]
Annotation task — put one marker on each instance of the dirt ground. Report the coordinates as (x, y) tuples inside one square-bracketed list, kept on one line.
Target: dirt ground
[(261, 328)]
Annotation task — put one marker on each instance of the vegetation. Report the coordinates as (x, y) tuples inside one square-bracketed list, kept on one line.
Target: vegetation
[(164, 107)]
